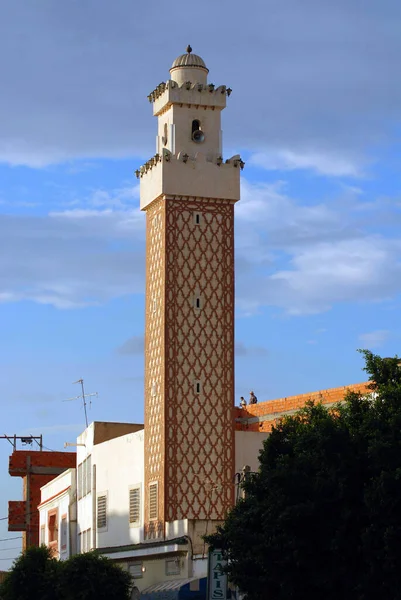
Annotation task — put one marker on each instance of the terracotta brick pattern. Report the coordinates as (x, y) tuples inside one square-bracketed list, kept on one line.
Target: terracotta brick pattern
[(275, 409), (154, 362), (190, 441), (24, 515)]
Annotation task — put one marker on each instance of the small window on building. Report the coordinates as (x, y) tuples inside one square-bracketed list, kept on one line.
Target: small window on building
[(153, 508), (173, 566), (198, 387), (102, 511), (85, 541), (195, 125), (135, 506), (165, 136), (154, 388), (84, 478), (197, 302), (89, 474), (154, 305), (63, 532), (136, 570), (42, 535), (197, 218), (79, 481), (53, 529)]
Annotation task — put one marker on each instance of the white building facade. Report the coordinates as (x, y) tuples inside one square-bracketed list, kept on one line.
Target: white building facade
[(58, 515)]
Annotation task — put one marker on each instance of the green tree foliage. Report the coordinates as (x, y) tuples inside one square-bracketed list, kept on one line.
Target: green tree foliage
[(90, 576), (322, 517), (33, 577), (37, 576)]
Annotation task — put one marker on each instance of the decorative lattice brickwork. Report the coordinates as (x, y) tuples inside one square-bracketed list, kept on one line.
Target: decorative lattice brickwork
[(154, 361), (190, 345), (200, 345)]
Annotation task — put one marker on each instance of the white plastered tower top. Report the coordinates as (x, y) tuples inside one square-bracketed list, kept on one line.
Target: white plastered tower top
[(189, 67), (189, 149)]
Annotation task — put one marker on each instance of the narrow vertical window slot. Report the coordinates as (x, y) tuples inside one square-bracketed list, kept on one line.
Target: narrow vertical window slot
[(197, 218)]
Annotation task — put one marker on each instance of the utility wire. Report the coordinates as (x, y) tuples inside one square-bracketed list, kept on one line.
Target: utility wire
[(33, 512), (19, 537)]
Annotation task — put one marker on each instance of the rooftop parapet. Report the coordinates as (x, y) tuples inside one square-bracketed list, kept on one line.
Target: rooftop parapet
[(197, 94)]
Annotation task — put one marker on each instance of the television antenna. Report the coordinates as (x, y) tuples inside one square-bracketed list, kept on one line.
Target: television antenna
[(82, 397)]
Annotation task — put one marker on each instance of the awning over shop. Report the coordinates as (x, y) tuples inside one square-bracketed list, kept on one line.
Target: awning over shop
[(178, 589)]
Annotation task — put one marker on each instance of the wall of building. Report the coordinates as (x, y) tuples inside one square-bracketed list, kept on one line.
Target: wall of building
[(248, 444), (262, 416), (36, 468), (59, 498), (128, 452), (116, 465)]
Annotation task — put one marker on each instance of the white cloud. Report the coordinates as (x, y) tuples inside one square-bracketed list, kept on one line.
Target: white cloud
[(374, 339), (242, 350), (63, 427), (73, 258), (318, 254), (133, 345), (321, 163), (80, 93), (300, 257), (356, 270)]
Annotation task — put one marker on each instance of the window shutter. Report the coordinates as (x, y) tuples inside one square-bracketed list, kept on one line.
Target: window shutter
[(89, 474), (64, 532), (135, 505), (79, 481), (135, 570), (153, 501), (84, 478), (101, 511)]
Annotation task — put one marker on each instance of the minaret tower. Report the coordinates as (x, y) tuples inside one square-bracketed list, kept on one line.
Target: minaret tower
[(188, 193)]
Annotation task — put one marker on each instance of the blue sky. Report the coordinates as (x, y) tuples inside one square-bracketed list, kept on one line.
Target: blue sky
[(315, 112)]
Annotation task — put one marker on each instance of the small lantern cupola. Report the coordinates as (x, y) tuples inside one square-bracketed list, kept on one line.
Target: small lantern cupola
[(189, 67)]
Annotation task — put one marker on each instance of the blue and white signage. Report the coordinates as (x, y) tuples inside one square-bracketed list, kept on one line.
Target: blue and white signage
[(216, 578)]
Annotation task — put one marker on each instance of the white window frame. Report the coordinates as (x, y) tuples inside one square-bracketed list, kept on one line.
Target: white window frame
[(154, 484), (136, 569), (63, 533), (136, 523), (79, 480), (42, 535), (173, 566), (99, 496)]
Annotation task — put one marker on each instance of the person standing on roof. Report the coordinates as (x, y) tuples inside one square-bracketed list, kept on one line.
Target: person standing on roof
[(252, 398)]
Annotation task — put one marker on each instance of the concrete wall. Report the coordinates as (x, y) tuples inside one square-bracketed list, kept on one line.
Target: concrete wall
[(128, 453), (247, 447), (117, 464), (36, 468), (196, 179), (59, 496)]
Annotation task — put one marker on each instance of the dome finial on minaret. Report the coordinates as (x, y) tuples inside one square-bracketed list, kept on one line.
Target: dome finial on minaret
[(189, 49)]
